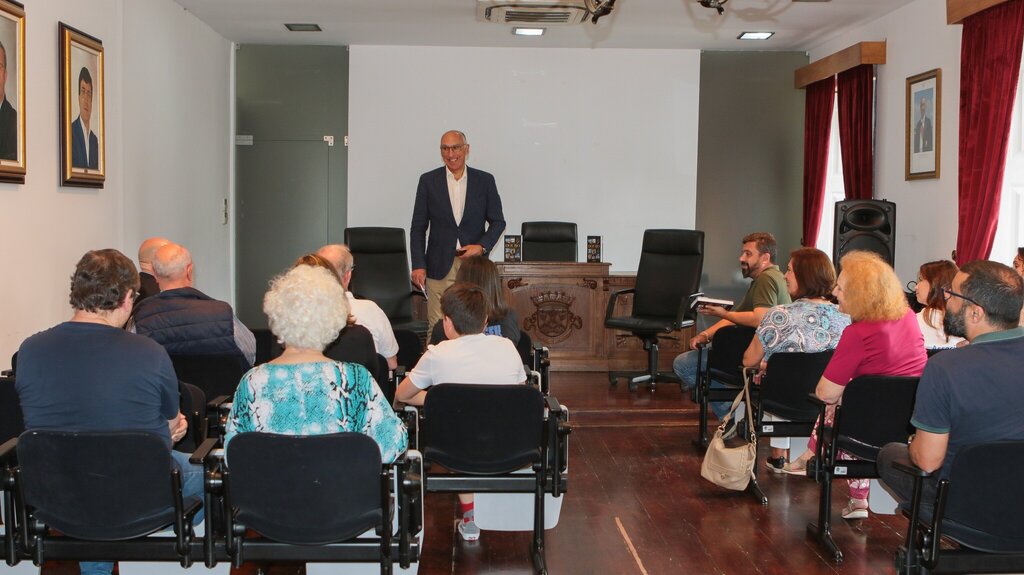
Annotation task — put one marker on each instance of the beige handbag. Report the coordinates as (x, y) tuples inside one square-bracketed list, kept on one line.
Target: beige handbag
[(731, 467)]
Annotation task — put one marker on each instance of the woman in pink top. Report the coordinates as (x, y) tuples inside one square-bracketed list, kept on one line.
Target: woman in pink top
[(884, 339)]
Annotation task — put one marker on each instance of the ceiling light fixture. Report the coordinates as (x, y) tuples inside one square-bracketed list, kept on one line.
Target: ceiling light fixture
[(519, 31), (755, 35), (303, 27)]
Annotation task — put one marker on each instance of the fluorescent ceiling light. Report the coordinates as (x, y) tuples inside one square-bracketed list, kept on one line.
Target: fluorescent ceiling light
[(755, 35), (303, 27), (528, 31)]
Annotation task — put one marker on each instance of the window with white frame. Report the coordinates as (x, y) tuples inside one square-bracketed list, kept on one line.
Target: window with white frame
[(834, 190), (1010, 228)]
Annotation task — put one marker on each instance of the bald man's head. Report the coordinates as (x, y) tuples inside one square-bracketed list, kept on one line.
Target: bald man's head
[(341, 258), (146, 251), (172, 267)]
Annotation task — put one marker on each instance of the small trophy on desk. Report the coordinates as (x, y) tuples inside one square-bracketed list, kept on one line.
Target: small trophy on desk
[(513, 248), (593, 249)]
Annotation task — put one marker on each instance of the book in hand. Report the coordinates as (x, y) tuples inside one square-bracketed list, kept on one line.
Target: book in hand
[(702, 300)]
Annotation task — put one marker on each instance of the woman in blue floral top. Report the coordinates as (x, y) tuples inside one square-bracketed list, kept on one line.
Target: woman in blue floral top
[(302, 392), (810, 324)]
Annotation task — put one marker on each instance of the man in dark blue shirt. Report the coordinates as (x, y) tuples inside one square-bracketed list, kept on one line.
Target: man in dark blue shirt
[(972, 394), (88, 374)]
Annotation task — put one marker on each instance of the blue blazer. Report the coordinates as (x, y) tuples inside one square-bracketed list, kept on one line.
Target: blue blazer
[(482, 220), (78, 147)]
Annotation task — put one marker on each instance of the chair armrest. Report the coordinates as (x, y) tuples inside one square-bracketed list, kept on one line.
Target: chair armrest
[(410, 415), (216, 403), (534, 379), (7, 373), (203, 451), (614, 297), (906, 466), (9, 451)]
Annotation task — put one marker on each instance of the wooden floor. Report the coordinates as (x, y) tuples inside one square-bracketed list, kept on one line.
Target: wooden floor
[(637, 505)]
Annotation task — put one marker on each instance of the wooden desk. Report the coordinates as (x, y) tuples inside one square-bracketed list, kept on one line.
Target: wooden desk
[(562, 305)]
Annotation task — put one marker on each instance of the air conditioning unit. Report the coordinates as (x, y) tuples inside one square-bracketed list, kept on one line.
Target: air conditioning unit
[(532, 12)]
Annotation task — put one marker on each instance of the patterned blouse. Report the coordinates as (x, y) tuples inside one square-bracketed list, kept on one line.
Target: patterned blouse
[(316, 398), (802, 326)]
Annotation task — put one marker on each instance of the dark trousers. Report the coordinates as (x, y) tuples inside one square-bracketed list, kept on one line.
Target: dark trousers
[(900, 484)]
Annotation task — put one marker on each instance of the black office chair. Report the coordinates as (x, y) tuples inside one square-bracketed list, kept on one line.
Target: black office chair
[(875, 411), (549, 241), (355, 345), (101, 492), (267, 347), (410, 348), (978, 506), (314, 498), (724, 365), (216, 375), (671, 263), (484, 433), (382, 274)]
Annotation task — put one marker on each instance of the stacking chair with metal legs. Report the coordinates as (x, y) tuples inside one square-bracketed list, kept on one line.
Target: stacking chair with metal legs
[(724, 364), (875, 410), (978, 506)]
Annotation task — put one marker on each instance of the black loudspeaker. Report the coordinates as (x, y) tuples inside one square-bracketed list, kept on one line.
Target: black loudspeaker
[(868, 225)]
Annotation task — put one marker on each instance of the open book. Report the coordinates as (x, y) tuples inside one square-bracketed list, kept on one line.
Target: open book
[(697, 300)]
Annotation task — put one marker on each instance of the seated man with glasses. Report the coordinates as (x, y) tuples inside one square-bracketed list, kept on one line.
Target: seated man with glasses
[(89, 374), (971, 394), (461, 208)]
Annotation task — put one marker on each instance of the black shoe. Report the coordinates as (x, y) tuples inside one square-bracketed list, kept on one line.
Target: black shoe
[(775, 464)]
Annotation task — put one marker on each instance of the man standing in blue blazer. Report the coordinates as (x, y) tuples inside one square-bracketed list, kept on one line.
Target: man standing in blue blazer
[(461, 208)]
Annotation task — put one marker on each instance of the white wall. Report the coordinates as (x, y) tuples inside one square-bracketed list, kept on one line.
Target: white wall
[(167, 113), (604, 138), (917, 40)]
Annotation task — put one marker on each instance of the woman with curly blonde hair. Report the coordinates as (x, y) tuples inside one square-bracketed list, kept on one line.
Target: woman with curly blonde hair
[(882, 340), (303, 392)]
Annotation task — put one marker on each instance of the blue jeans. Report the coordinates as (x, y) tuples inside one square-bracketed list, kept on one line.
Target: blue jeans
[(685, 366), (191, 486)]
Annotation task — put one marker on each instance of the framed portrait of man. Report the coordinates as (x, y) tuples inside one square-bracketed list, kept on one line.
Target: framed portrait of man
[(924, 120), (12, 92), (83, 138)]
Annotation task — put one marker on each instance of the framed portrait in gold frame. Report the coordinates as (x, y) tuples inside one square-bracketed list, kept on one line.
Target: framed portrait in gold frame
[(83, 159), (924, 125), (12, 92)]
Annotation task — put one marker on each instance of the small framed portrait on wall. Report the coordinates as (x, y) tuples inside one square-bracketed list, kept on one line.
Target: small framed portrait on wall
[(83, 138), (924, 122), (12, 92)]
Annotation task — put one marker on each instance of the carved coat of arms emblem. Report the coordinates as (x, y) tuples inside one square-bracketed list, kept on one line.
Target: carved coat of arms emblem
[(553, 316)]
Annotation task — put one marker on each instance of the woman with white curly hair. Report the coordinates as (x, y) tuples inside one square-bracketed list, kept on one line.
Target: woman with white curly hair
[(302, 392)]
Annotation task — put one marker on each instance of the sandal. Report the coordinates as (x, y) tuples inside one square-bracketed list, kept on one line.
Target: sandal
[(798, 467)]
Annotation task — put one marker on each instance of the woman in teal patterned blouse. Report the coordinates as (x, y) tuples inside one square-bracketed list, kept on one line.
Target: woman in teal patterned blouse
[(302, 392)]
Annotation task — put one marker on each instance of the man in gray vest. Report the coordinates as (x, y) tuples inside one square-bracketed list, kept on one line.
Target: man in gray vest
[(185, 320)]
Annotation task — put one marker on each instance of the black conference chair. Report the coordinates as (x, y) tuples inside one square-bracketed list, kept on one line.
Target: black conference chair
[(193, 407), (783, 391), (314, 499), (410, 348), (216, 375), (267, 347), (724, 364), (671, 263), (549, 241), (978, 506), (382, 274), (11, 421), (94, 496), (483, 434), (875, 411)]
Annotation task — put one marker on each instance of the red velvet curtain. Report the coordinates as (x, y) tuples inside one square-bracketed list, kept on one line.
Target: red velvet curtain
[(856, 107), (990, 56), (818, 103)]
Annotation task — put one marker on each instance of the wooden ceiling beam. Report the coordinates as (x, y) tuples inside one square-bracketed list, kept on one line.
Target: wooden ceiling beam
[(957, 10), (861, 53)]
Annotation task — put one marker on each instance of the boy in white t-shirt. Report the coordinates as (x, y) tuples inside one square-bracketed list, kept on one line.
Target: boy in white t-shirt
[(468, 356)]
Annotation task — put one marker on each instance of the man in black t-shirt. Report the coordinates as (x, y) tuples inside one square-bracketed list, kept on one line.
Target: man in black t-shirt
[(972, 394), (88, 374)]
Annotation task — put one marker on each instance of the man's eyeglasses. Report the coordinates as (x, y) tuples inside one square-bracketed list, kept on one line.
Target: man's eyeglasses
[(455, 148), (947, 293)]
